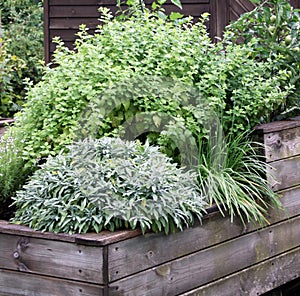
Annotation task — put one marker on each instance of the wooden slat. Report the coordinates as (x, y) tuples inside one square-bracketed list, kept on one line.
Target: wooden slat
[(202, 267), (290, 200), (24, 284), (74, 11), (154, 249), (96, 239), (72, 23), (278, 126), (68, 44), (282, 144), (67, 35), (257, 279), (241, 6), (52, 258), (148, 251), (46, 31), (284, 173)]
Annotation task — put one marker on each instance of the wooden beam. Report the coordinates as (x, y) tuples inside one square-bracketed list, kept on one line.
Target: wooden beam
[(19, 284), (257, 279), (283, 174), (52, 258), (199, 268)]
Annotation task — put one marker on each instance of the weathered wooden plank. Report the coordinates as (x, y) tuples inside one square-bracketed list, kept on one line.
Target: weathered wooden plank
[(284, 173), (24, 284), (277, 126), (68, 44), (100, 239), (255, 280), (290, 199), (238, 7), (72, 23), (67, 35), (282, 144), (52, 258), (74, 11), (210, 264), (154, 249), (148, 251)]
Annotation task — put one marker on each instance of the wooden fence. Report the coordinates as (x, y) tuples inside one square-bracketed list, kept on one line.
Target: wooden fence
[(63, 17), (218, 258)]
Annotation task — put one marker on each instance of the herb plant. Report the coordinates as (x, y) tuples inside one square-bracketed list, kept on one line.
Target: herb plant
[(109, 184), (10, 163), (232, 176)]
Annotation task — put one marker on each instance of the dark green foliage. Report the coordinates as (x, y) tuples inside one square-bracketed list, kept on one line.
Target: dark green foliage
[(272, 32), (22, 24), (111, 184), (12, 173)]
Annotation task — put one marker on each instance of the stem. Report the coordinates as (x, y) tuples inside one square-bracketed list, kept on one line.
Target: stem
[(142, 6)]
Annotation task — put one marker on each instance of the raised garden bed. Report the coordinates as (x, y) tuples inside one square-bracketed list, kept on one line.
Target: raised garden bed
[(216, 258)]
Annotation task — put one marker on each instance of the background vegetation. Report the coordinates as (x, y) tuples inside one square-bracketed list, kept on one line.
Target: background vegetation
[(22, 51)]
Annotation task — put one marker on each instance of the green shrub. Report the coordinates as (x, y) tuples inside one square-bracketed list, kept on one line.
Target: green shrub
[(11, 67), (22, 23), (111, 184), (12, 173), (124, 53), (272, 32)]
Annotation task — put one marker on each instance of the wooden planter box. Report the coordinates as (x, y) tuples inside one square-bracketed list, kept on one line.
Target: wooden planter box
[(216, 258)]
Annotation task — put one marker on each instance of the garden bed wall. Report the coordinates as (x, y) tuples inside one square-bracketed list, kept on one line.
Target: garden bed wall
[(216, 258)]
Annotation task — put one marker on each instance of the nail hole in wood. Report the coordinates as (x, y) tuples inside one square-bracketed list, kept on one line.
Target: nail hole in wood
[(116, 248), (80, 271)]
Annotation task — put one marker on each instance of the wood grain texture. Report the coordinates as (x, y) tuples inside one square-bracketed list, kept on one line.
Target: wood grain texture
[(22, 284), (282, 144), (278, 126), (283, 174), (255, 280), (202, 267), (154, 249), (100, 239), (52, 258), (291, 205)]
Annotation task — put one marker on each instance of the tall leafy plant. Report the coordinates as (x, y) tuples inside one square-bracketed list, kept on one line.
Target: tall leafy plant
[(22, 24), (272, 30)]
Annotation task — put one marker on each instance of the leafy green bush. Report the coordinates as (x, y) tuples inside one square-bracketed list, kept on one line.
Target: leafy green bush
[(272, 31), (10, 67), (105, 83), (22, 23), (109, 183), (12, 173), (123, 53)]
